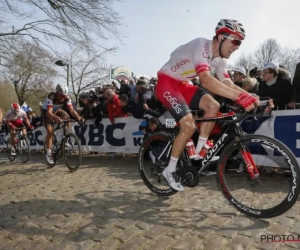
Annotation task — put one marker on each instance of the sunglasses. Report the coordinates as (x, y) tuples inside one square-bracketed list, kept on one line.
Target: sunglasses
[(234, 41)]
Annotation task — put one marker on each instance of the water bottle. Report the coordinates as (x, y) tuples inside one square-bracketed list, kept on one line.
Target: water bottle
[(208, 145), (190, 148)]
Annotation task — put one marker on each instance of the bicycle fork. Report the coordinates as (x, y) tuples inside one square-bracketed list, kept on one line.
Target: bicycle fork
[(251, 166)]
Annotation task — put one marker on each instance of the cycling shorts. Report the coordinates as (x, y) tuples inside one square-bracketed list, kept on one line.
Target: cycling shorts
[(178, 97), (49, 122)]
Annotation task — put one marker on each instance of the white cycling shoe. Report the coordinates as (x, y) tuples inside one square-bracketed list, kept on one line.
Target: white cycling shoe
[(49, 159), (170, 177)]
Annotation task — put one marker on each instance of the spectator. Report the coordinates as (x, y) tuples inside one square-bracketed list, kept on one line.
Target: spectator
[(153, 106), (142, 96), (277, 85), (255, 73), (128, 105), (113, 104), (132, 87), (35, 120), (239, 74), (124, 89), (296, 87), (249, 84), (155, 125), (84, 104)]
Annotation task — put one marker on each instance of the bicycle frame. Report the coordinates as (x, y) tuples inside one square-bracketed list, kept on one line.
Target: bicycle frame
[(232, 131)]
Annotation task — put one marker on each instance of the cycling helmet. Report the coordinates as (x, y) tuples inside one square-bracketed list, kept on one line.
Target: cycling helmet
[(62, 89), (231, 27), (15, 107)]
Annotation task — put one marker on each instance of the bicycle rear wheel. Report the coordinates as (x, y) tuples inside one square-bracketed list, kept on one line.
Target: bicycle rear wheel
[(276, 189), (23, 148), (154, 156), (71, 152)]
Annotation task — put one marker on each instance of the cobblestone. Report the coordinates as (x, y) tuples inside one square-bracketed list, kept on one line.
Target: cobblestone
[(105, 205)]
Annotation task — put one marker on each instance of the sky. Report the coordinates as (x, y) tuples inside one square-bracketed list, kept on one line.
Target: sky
[(152, 29)]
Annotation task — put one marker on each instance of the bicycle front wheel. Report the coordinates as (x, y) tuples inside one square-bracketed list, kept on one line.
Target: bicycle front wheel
[(276, 188), (71, 152), (24, 150)]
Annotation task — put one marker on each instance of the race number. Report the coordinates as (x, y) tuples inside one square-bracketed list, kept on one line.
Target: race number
[(170, 123)]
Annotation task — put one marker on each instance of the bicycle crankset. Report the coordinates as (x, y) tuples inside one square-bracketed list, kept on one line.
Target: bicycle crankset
[(190, 176)]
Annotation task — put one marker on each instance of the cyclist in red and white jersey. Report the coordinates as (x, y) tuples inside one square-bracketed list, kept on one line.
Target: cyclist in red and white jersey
[(51, 110), (204, 58), (15, 118)]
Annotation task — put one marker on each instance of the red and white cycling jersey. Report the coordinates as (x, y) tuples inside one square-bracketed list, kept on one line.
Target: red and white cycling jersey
[(190, 59), (10, 116)]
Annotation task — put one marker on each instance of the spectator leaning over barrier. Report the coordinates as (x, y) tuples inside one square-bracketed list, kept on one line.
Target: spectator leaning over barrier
[(153, 106), (113, 104), (128, 105), (276, 84)]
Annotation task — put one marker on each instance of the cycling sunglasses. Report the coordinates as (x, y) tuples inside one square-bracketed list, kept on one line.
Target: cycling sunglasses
[(234, 41)]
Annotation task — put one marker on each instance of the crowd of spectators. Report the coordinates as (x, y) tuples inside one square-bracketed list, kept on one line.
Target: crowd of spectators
[(137, 98)]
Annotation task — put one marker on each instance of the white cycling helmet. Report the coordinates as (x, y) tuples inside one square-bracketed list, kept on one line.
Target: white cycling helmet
[(230, 26), (62, 89)]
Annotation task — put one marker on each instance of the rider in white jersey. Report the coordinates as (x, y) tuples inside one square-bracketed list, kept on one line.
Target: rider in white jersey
[(15, 118), (188, 60), (198, 58)]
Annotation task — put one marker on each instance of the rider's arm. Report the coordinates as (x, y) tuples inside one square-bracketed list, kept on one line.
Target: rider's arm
[(213, 85), (73, 112), (50, 113), (8, 118), (1, 115), (222, 74), (230, 84), (27, 122)]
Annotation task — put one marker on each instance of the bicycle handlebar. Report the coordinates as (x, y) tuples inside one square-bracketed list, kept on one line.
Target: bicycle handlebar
[(256, 113)]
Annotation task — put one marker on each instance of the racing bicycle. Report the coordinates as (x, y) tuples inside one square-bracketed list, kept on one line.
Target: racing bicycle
[(246, 170), (68, 146), (21, 145)]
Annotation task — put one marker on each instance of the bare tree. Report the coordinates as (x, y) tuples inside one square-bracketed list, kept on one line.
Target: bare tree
[(245, 61), (87, 71), (74, 21), (268, 51), (30, 68), (7, 95), (289, 58)]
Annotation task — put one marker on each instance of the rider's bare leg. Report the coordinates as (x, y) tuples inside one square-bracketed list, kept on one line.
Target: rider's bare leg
[(12, 137), (50, 132), (211, 108), (188, 128)]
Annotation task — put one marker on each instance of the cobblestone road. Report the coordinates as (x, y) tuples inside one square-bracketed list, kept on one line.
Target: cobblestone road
[(105, 205)]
